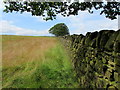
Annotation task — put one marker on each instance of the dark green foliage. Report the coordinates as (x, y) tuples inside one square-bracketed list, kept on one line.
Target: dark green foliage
[(59, 30), (96, 58), (49, 10)]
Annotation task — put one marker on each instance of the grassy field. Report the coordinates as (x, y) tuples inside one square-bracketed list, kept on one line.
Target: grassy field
[(35, 62)]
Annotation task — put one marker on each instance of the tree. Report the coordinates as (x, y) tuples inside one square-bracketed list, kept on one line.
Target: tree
[(49, 10), (59, 29)]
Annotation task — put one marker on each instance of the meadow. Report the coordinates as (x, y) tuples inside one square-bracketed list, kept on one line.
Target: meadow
[(36, 62)]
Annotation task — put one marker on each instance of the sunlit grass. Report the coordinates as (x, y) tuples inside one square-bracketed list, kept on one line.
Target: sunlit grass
[(20, 49), (36, 62)]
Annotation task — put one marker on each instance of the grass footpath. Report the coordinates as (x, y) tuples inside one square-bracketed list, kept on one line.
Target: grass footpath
[(52, 69)]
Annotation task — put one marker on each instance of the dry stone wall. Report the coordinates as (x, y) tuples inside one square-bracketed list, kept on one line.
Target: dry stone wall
[(96, 58)]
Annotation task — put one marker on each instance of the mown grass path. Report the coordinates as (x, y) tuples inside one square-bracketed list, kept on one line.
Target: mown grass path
[(36, 62)]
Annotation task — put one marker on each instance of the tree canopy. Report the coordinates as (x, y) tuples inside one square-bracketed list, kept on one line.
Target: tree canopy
[(49, 10), (59, 29)]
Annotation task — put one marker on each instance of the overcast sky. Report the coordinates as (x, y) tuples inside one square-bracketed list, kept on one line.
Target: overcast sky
[(26, 24)]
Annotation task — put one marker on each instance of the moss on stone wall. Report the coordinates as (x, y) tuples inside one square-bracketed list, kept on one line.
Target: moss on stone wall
[(96, 58)]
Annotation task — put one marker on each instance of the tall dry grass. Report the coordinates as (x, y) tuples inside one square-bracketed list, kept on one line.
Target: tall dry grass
[(17, 50), (36, 62)]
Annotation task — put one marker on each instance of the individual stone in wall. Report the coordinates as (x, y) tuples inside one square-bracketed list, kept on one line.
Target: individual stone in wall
[(112, 38)]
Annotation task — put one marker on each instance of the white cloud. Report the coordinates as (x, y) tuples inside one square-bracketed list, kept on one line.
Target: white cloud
[(1, 8), (103, 24), (77, 24), (1, 5), (80, 25), (9, 28)]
